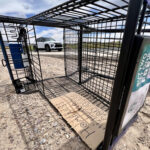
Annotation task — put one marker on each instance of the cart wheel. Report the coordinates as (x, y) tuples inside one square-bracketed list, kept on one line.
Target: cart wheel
[(47, 48), (60, 50)]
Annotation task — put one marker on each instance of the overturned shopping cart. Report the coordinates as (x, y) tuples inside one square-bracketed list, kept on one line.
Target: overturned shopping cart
[(106, 57)]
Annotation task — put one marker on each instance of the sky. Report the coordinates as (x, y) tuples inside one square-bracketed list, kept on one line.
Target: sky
[(28, 8)]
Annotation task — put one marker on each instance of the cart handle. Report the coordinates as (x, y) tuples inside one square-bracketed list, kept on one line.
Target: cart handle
[(4, 65)]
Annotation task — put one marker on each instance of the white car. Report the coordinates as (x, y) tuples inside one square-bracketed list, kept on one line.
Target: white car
[(49, 44)]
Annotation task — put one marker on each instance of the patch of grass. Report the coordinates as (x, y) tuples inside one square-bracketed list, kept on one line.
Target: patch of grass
[(94, 45), (31, 47)]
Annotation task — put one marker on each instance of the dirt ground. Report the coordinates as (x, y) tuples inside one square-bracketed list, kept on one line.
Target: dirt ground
[(28, 122)]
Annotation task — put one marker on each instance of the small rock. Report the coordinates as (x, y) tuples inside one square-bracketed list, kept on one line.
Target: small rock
[(43, 141), (27, 111), (48, 115), (55, 124), (141, 139), (57, 142), (63, 128), (67, 136), (49, 121), (35, 130), (11, 138)]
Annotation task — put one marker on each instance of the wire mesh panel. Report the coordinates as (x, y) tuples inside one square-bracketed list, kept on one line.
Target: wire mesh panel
[(144, 29), (100, 48), (100, 53), (10, 33), (71, 53), (80, 12), (24, 63), (35, 58), (95, 37)]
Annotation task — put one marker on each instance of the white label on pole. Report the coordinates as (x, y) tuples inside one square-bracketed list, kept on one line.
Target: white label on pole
[(25, 60)]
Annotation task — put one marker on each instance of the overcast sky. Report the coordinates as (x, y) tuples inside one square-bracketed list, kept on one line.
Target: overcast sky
[(28, 8)]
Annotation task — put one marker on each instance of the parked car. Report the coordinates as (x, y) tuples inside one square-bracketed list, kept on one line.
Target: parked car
[(49, 44)]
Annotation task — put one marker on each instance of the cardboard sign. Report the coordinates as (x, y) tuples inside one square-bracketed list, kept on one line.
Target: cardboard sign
[(86, 119), (140, 84)]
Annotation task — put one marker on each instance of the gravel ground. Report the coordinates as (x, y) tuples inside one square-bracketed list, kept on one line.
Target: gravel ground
[(29, 122)]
